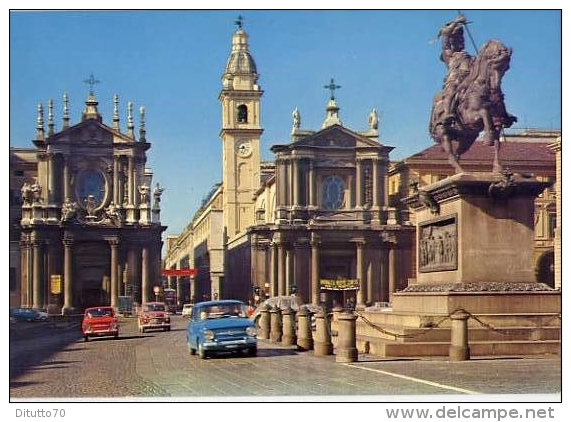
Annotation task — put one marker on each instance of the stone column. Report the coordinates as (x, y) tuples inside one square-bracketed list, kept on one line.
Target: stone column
[(459, 349), (295, 181), (347, 340), (315, 287), (312, 186), (274, 270), (38, 300), (290, 261), (281, 269), (67, 274), (393, 272), (359, 184), (375, 182), (25, 260), (145, 280), (114, 244), (362, 293)]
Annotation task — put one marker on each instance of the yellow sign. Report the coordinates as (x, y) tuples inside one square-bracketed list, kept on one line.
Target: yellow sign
[(55, 284), (340, 284)]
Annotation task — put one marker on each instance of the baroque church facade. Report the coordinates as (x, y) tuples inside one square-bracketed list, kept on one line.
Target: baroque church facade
[(315, 222), (90, 228)]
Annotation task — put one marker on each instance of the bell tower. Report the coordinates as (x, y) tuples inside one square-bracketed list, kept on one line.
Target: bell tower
[(240, 134)]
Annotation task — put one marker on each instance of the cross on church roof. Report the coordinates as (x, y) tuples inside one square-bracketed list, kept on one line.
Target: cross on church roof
[(238, 22), (91, 81), (332, 87)]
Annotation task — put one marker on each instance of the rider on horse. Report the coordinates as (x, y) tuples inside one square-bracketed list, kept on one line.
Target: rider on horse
[(457, 60)]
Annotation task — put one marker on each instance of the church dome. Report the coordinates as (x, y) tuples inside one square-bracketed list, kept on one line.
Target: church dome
[(240, 60)]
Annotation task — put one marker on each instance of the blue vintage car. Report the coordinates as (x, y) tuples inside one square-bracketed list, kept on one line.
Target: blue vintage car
[(220, 326)]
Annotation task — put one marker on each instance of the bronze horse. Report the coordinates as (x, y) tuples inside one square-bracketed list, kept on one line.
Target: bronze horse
[(479, 106)]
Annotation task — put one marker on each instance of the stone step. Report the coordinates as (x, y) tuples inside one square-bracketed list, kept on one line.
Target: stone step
[(385, 348), (405, 335)]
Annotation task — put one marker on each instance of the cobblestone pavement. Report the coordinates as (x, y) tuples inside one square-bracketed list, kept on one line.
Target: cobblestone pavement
[(157, 365)]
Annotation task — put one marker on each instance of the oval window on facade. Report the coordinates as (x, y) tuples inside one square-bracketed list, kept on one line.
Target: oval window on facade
[(333, 193)]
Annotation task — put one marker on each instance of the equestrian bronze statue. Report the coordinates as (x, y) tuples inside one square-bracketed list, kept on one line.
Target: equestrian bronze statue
[(471, 100)]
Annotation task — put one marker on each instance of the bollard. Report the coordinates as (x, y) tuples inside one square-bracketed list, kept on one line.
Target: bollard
[(322, 345), (275, 324), (304, 334), (288, 327), (459, 349), (264, 322), (346, 350)]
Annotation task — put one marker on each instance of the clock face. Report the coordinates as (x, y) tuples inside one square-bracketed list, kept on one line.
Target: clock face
[(333, 192), (91, 187), (243, 148)]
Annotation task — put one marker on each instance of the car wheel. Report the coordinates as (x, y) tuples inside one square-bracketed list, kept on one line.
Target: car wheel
[(201, 352), (116, 336), (190, 349), (252, 351)]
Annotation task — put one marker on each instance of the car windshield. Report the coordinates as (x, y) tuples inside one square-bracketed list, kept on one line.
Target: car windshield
[(154, 307), (100, 312), (223, 311)]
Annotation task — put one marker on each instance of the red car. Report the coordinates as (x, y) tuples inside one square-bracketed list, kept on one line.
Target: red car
[(99, 321), (153, 316)]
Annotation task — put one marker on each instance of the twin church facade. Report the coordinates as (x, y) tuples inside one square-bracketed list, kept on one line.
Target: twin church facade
[(314, 222), (322, 220)]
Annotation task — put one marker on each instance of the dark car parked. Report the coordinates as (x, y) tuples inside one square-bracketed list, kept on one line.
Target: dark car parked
[(27, 315)]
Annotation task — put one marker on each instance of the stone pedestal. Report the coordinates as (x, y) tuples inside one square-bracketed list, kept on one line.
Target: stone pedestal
[(475, 242)]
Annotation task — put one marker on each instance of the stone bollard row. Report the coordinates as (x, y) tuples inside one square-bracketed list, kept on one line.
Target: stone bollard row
[(304, 333)]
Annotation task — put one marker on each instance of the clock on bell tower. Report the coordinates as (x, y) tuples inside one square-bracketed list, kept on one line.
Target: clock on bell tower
[(241, 131)]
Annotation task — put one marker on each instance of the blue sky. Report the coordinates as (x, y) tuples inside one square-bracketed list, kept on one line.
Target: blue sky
[(171, 62)]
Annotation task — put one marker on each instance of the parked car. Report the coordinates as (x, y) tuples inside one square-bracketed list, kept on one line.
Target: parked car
[(154, 316), (220, 326), (28, 315), (99, 321), (186, 310)]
